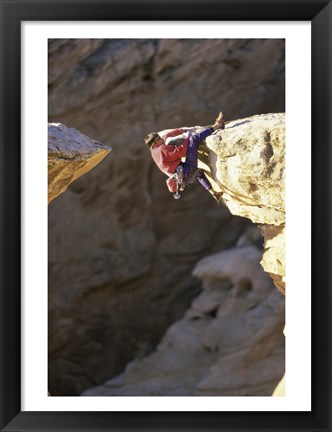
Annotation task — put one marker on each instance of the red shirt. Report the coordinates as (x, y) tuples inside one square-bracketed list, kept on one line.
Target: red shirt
[(168, 157)]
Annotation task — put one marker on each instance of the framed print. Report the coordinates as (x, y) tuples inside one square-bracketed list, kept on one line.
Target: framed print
[(122, 308)]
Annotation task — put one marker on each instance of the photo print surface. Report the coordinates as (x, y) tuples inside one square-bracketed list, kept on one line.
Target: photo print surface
[(150, 295)]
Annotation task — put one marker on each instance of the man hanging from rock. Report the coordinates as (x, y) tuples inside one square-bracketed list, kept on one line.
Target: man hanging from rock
[(168, 149)]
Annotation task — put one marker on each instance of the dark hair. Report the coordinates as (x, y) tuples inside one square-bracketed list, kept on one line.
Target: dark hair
[(151, 138)]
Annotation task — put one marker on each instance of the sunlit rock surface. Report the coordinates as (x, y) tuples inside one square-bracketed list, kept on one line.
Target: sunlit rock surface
[(70, 155), (246, 161)]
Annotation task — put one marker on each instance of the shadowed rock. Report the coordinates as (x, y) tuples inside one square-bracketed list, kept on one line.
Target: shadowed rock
[(229, 343)]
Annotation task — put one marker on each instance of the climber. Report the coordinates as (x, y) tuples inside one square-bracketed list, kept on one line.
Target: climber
[(167, 155)]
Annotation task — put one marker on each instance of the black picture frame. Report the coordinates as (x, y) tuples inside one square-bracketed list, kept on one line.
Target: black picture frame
[(13, 12)]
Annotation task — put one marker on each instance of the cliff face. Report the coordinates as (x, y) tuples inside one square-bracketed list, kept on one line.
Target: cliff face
[(121, 249), (247, 162), (247, 159), (102, 86)]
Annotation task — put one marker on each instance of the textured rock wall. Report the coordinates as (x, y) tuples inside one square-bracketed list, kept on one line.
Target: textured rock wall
[(121, 249), (229, 343), (247, 162)]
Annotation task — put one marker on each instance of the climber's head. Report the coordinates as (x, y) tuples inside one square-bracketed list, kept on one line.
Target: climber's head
[(151, 139)]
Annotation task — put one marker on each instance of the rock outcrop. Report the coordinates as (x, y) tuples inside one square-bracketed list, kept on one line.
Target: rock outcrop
[(70, 155), (247, 162), (121, 249), (229, 343)]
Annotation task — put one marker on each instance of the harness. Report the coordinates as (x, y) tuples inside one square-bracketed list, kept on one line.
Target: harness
[(178, 177), (181, 181)]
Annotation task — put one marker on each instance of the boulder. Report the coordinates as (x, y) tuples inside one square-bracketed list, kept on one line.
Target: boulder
[(70, 155), (246, 160)]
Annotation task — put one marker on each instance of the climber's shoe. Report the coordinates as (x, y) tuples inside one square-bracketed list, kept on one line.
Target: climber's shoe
[(217, 195), (221, 119)]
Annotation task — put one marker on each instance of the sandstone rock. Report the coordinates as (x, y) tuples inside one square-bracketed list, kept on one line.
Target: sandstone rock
[(246, 161), (280, 390), (70, 155), (65, 54), (274, 260), (230, 341), (157, 84)]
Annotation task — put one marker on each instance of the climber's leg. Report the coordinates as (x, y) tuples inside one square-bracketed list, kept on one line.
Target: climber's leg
[(190, 165), (201, 177)]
